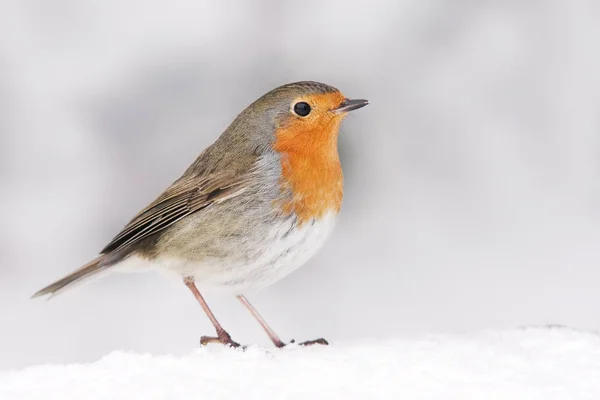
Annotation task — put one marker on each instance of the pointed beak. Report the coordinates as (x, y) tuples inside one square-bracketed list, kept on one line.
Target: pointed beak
[(350, 105)]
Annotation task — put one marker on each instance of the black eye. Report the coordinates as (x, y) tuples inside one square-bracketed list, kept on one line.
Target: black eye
[(302, 109)]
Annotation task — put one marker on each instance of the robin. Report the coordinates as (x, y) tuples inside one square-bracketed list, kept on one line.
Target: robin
[(254, 206)]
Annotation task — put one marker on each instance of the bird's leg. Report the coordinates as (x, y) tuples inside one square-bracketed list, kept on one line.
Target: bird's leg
[(222, 335), (272, 335)]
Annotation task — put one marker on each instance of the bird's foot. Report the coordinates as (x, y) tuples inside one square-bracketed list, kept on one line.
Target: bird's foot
[(222, 337), (320, 341)]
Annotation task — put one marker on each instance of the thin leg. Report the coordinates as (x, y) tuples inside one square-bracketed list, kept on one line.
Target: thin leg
[(222, 335), (272, 335)]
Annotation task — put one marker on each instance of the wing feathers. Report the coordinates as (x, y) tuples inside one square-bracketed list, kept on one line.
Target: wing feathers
[(180, 200)]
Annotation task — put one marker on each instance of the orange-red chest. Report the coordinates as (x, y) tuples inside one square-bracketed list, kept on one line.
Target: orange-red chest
[(311, 169)]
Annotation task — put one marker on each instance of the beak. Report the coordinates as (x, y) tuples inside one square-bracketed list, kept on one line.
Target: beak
[(350, 105)]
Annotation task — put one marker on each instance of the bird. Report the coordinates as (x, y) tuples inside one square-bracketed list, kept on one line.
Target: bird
[(253, 207)]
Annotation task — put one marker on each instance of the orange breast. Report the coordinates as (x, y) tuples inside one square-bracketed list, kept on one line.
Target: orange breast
[(311, 167)]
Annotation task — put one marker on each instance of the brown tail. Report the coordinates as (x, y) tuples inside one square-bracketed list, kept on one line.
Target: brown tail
[(77, 276)]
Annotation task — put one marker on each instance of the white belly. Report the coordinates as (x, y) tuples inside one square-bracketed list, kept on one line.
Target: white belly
[(283, 251)]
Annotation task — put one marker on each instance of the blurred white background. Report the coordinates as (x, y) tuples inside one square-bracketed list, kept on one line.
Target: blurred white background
[(472, 180)]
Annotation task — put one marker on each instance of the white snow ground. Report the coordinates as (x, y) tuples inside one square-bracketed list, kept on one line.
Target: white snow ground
[(533, 363)]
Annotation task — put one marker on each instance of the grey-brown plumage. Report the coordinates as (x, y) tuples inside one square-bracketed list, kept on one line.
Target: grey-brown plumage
[(86, 270)]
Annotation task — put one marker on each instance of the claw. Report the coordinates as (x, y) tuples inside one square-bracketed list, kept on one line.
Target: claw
[(320, 341), (223, 338)]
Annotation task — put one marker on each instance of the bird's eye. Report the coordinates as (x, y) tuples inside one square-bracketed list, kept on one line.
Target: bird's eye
[(302, 109)]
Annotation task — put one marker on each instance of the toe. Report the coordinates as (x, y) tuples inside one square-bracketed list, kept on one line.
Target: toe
[(320, 341)]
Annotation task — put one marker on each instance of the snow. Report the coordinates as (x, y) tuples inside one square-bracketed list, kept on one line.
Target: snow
[(532, 363)]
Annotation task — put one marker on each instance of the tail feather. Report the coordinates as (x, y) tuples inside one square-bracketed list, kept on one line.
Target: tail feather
[(83, 273)]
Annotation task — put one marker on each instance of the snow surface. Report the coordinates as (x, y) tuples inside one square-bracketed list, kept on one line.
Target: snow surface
[(533, 363)]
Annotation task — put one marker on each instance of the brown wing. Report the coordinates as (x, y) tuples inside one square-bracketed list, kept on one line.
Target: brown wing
[(183, 198)]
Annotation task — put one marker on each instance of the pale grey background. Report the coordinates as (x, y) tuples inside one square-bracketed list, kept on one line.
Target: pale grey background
[(472, 180)]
